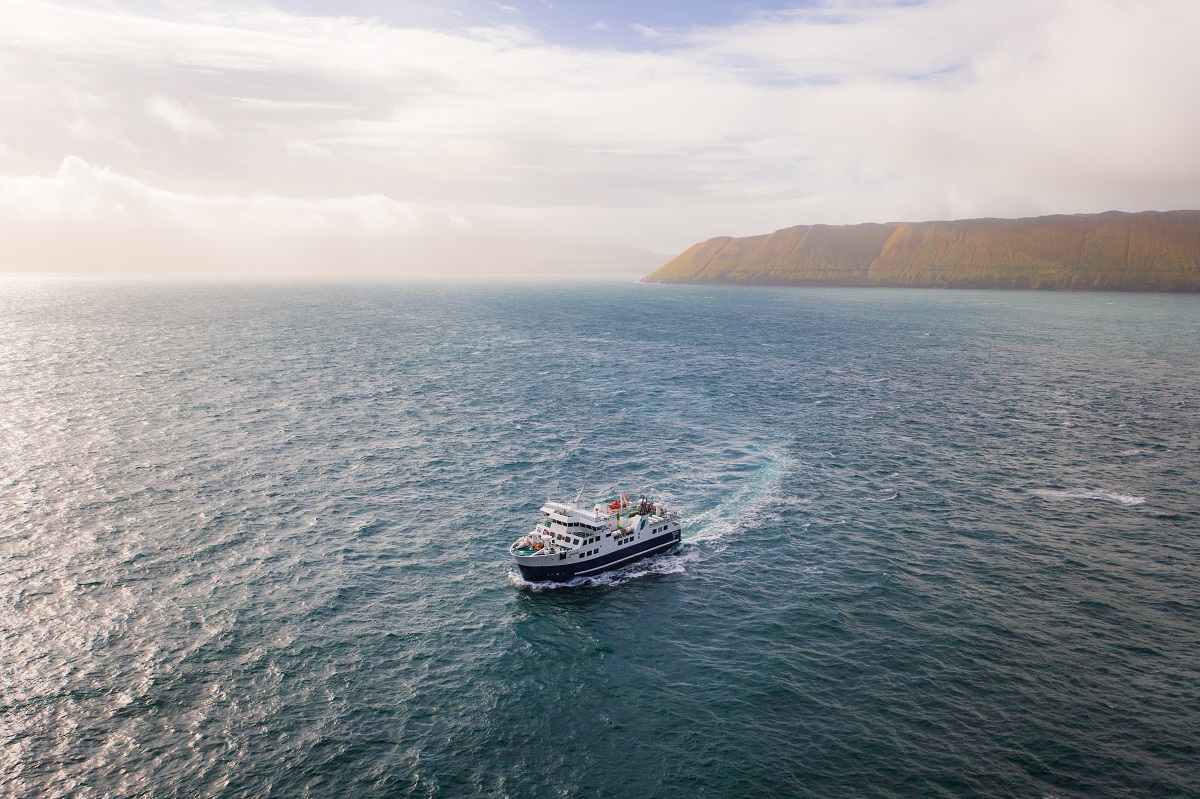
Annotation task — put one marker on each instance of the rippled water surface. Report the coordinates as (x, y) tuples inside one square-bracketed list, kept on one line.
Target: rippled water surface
[(252, 542)]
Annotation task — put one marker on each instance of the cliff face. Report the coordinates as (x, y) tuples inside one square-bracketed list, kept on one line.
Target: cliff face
[(1150, 251)]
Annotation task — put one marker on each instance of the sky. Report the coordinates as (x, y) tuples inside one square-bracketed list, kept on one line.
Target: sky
[(526, 137)]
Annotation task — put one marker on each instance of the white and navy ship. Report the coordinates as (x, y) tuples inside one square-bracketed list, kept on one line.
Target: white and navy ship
[(573, 541)]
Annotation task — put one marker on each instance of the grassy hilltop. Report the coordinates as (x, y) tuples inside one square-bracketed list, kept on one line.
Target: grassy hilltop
[(1149, 251)]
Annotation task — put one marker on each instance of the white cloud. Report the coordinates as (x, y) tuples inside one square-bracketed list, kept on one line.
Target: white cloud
[(599, 26), (85, 219), (11, 159), (80, 191), (306, 149), (852, 111), (179, 117)]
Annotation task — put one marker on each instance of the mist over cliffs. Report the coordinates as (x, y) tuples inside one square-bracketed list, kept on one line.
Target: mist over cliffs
[(1114, 251)]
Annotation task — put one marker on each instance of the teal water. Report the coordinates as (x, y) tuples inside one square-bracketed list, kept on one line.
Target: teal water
[(252, 542)]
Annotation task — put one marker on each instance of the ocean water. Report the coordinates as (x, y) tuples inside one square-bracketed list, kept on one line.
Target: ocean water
[(253, 542)]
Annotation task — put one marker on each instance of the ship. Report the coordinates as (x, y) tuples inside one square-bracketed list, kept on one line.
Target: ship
[(571, 540)]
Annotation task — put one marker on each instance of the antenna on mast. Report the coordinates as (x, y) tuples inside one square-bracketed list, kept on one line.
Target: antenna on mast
[(579, 496)]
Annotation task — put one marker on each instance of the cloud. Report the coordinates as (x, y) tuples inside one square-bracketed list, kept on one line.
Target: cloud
[(10, 158), (844, 112), (180, 117), (80, 191), (306, 149), (645, 30), (87, 220)]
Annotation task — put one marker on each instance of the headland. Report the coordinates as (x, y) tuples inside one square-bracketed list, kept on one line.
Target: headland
[(1113, 251)]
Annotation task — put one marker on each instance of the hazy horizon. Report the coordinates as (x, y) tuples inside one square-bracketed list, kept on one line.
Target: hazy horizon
[(487, 139)]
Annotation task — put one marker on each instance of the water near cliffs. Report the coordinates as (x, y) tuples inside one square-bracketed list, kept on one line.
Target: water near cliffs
[(252, 542)]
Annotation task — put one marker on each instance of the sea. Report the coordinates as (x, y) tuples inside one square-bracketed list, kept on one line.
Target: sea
[(253, 541)]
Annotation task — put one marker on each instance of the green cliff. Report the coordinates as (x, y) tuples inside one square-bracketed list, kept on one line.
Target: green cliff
[(1114, 251)]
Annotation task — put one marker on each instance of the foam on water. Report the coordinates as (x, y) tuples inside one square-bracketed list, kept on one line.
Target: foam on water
[(1096, 494), (739, 505)]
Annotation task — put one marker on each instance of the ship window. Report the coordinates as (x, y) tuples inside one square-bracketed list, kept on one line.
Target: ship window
[(563, 556)]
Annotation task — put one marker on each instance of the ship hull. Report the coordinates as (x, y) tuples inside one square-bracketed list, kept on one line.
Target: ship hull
[(564, 571)]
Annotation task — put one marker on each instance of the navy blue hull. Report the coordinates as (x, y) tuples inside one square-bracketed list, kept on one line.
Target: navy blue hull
[(565, 570)]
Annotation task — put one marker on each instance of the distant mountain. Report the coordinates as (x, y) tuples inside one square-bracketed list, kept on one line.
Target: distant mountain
[(1114, 251)]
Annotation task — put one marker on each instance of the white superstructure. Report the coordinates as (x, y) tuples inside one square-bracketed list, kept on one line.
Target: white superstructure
[(572, 540)]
